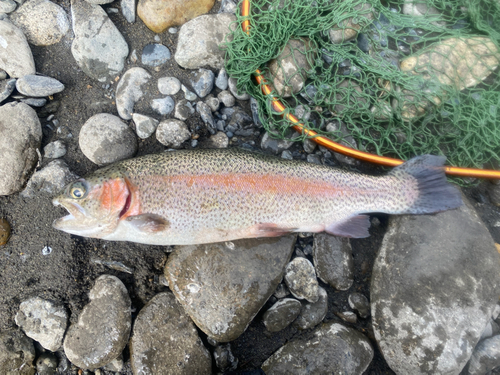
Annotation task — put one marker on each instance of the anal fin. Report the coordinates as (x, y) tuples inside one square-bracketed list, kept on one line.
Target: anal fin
[(148, 223), (354, 227)]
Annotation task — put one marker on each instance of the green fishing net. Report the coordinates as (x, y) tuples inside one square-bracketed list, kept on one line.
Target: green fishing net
[(402, 78)]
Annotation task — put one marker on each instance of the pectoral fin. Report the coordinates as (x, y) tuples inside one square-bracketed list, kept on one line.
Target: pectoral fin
[(148, 223), (354, 227)]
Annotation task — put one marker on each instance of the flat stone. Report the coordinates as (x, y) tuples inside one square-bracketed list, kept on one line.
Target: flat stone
[(50, 180), (20, 137), (202, 82), (333, 260), (15, 53), (145, 126), (159, 15), (222, 286), (435, 285), (38, 86), (332, 347), (208, 33), (34, 102), (16, 352), (7, 86), (155, 55), (281, 314), (129, 91), (98, 48), (99, 2), (43, 22), (169, 85), (300, 278), (103, 327), (172, 133), (165, 340), (43, 321), (105, 139)]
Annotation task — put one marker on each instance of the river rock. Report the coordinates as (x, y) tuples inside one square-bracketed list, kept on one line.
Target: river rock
[(145, 126), (312, 314), (183, 110), (289, 70), (155, 55), (46, 364), (359, 303), (222, 79), (226, 98), (206, 115), (165, 340), (274, 145), (332, 348), (333, 260), (98, 48), (38, 86), (281, 314), (301, 279), (222, 286), (7, 6), (7, 86), (486, 356), (15, 53), (103, 327), (163, 106), (129, 91), (54, 150), (218, 140), (105, 139), (20, 137), (169, 85), (43, 321), (159, 15), (224, 358), (202, 82), (232, 84), (43, 22), (209, 32), (49, 180), (348, 28), (435, 284), (17, 353), (172, 133)]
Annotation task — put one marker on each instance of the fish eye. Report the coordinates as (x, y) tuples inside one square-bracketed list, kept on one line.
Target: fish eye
[(78, 190)]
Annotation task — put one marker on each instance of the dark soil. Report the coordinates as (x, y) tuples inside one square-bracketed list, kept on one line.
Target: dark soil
[(68, 272)]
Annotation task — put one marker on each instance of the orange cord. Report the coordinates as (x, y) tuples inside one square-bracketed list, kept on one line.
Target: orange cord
[(279, 107)]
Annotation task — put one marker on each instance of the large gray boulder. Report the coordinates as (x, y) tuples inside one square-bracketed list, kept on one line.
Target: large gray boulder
[(434, 286)]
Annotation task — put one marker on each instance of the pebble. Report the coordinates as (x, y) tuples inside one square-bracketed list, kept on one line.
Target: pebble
[(7, 6), (46, 364), (254, 106), (485, 357), (145, 126), (43, 22), (169, 85), (332, 257), (222, 79), (128, 10), (20, 139), (214, 286), (274, 145), (16, 352), (213, 103), (315, 159), (172, 133), (312, 314), (43, 321), (206, 115), (38, 86), (163, 106), (224, 358), (347, 140), (165, 340), (34, 102), (301, 279), (183, 110), (218, 140), (103, 326), (202, 82), (359, 303), (54, 150), (309, 145), (332, 347), (4, 231), (228, 6), (287, 155), (49, 180), (234, 90), (281, 314), (130, 90), (349, 27), (173, 30), (15, 53), (348, 316), (7, 86), (411, 311), (188, 95), (106, 139), (209, 31), (226, 98), (155, 55), (98, 47)]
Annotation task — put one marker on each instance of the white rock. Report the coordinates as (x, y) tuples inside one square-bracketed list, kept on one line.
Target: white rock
[(172, 133), (129, 91), (15, 54), (145, 126)]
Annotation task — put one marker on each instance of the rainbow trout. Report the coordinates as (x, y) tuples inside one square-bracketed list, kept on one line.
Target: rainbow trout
[(202, 196)]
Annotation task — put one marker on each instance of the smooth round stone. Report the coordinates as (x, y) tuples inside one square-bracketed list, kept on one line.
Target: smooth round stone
[(105, 139), (301, 279), (226, 98), (54, 150), (43, 22), (103, 327), (129, 91), (165, 340), (38, 86), (169, 85), (360, 303), (99, 2), (218, 140), (202, 82), (145, 126), (234, 90), (16, 352), (155, 55), (34, 102), (172, 133), (163, 106), (213, 103), (281, 314), (43, 321), (7, 6), (15, 53)]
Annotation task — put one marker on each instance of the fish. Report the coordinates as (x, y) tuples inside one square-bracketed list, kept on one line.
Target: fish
[(189, 197)]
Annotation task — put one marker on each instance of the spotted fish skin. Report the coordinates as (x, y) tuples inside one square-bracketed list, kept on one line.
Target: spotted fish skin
[(191, 197)]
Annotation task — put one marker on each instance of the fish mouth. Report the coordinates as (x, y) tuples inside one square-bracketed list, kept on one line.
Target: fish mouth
[(75, 212)]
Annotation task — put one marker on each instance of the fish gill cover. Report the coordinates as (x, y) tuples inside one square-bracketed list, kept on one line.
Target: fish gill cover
[(404, 78)]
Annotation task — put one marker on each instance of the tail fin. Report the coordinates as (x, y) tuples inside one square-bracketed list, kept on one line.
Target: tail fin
[(434, 192)]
